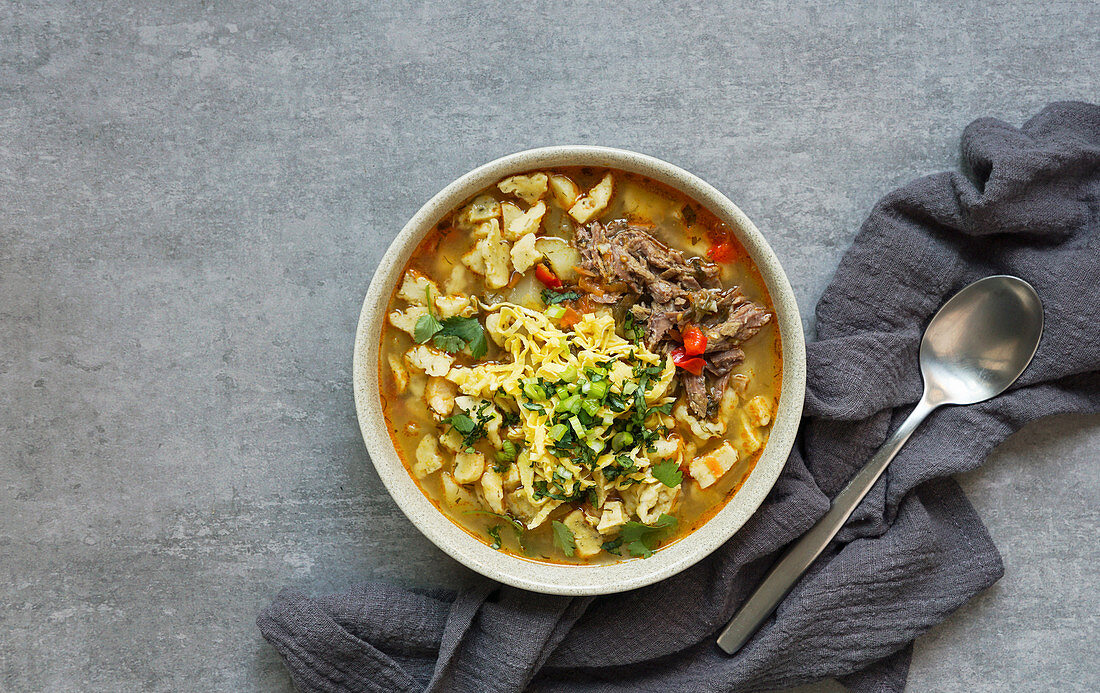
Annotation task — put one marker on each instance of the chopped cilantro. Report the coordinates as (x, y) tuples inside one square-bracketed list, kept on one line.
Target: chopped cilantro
[(550, 297), (472, 429), (515, 524), (563, 538), (632, 330), (494, 532), (668, 473)]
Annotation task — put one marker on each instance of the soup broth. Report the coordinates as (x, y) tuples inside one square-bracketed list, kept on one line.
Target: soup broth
[(579, 365)]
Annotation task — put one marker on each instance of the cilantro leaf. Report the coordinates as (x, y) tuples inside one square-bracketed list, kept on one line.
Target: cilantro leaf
[(456, 333), (478, 345), (426, 326), (563, 538), (449, 343), (494, 532), (612, 546), (461, 423), (550, 297), (642, 539), (668, 473)]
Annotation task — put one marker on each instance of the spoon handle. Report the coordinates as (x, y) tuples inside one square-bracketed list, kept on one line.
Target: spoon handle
[(789, 569)]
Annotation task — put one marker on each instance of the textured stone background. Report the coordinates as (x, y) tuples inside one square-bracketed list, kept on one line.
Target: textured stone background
[(193, 197)]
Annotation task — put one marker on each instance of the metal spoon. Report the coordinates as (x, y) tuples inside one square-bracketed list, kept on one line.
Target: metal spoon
[(977, 345)]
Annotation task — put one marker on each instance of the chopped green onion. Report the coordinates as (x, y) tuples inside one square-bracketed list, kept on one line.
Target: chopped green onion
[(598, 389), (569, 374), (571, 404), (577, 426), (555, 312), (534, 391), (558, 431), (562, 391), (591, 406), (507, 452), (629, 387), (621, 440)]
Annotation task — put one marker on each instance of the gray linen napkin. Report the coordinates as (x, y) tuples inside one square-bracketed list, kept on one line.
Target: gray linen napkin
[(1028, 204)]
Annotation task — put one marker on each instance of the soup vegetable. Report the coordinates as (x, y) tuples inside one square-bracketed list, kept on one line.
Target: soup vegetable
[(579, 365)]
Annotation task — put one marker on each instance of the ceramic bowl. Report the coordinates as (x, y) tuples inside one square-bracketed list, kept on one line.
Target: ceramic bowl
[(576, 579)]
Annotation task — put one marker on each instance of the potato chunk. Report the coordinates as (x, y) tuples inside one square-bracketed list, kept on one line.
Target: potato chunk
[(649, 501), (709, 468), (450, 306), (481, 208), (491, 256), (595, 201), (406, 319), (747, 438), (400, 375), (564, 190), (458, 281), (456, 495), (452, 440), (415, 288), (563, 257), (702, 430), (469, 466), (759, 410), (428, 457), (527, 188), (526, 223), (430, 360), (587, 539), (492, 489), (524, 253), (439, 394), (509, 212), (612, 517)]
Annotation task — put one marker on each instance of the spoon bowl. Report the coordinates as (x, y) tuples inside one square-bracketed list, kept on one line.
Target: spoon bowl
[(980, 341), (975, 347)]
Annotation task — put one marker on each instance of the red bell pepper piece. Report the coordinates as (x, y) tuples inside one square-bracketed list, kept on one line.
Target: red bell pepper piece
[(721, 252), (695, 341), (691, 364), (545, 275)]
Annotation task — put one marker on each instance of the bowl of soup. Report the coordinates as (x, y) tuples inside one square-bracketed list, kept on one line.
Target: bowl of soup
[(579, 370)]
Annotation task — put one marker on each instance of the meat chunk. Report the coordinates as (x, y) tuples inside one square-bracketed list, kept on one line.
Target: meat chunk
[(623, 262), (696, 388)]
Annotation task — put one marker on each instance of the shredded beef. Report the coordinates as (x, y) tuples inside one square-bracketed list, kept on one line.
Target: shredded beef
[(696, 388), (624, 262)]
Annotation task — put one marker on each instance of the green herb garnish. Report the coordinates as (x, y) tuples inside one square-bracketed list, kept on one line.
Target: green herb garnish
[(426, 327), (632, 330), (550, 297), (515, 524), (641, 539), (668, 473), (473, 428), (457, 333), (563, 538)]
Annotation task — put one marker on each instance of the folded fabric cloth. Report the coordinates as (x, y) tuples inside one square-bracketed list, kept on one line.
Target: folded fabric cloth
[(1028, 204)]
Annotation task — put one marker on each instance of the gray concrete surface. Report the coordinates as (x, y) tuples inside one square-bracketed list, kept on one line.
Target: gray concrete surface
[(193, 197)]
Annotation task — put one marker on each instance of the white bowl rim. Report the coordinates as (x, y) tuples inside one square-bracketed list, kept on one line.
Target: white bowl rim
[(565, 579)]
